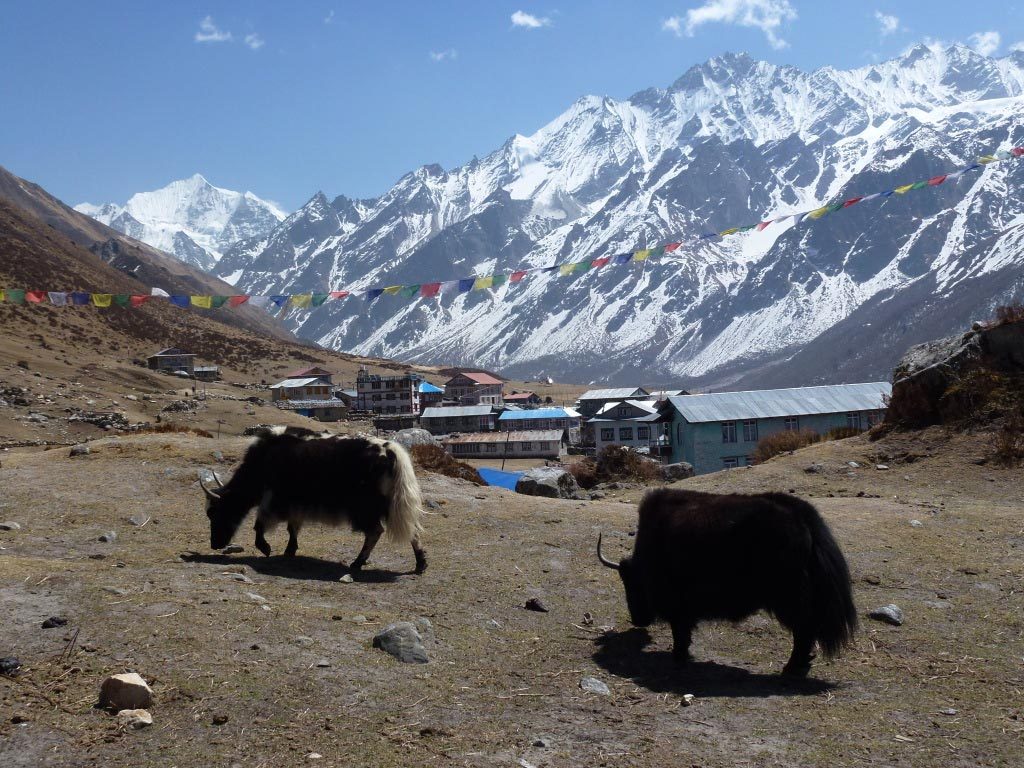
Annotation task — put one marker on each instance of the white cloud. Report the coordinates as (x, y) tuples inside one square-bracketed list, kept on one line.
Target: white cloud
[(448, 53), (329, 18), (888, 23), (1018, 46), (985, 43), (766, 15), (209, 32), (254, 41), (522, 19)]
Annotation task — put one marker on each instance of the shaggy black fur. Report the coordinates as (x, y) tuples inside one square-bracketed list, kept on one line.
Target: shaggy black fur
[(702, 556), (294, 479)]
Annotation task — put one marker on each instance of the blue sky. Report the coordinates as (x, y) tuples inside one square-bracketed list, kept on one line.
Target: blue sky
[(104, 99)]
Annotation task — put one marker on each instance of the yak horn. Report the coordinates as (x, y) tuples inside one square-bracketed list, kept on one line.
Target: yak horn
[(604, 560), (207, 491), (217, 478)]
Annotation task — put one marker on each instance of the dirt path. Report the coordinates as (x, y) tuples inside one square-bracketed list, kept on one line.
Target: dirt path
[(283, 650)]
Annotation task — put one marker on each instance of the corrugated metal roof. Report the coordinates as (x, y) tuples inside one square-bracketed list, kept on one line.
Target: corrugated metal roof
[(646, 406), (479, 378), (289, 383), (623, 393), (456, 411), (537, 413), (520, 396), (650, 417), (292, 405), (519, 436), (773, 403)]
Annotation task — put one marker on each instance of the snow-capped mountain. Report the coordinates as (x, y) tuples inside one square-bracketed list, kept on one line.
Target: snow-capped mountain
[(190, 219), (731, 142)]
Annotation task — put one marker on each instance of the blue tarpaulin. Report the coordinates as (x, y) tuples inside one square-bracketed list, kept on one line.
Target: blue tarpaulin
[(500, 479)]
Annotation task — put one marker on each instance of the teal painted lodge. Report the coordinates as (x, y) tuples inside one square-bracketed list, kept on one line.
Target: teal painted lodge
[(721, 430)]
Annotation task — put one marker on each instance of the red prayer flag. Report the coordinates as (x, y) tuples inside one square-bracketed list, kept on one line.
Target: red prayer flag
[(671, 247), (234, 301), (339, 294), (35, 297), (852, 201), (515, 277), (763, 224), (1017, 151), (935, 181), (600, 262), (138, 301), (430, 289)]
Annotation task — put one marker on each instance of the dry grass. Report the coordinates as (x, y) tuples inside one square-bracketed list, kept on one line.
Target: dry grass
[(784, 442), (434, 458), (615, 464), (1010, 313), (168, 427)]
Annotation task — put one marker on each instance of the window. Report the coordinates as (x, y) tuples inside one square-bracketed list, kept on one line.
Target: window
[(728, 431), (485, 422), (792, 424), (730, 462), (853, 420), (375, 385), (491, 447), (626, 433), (376, 398), (450, 421), (607, 435), (390, 395), (526, 447), (624, 412), (643, 433), (750, 431), (544, 446)]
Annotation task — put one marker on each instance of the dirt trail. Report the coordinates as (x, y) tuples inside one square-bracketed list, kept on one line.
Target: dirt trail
[(283, 649)]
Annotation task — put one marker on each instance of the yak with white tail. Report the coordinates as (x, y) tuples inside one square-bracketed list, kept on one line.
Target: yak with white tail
[(296, 478)]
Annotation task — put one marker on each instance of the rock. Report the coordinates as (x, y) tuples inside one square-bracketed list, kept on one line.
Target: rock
[(679, 471), (853, 464), (358, 619), (54, 621), (10, 666), (218, 455), (814, 469), (596, 495), (19, 719), (256, 598), (232, 549), (688, 699), (881, 467), (916, 523), (79, 450), (108, 537), (37, 418), (133, 398), (950, 712), (10, 525), (323, 663), (407, 438), (180, 406), (314, 756), (127, 691), (873, 579), (138, 520), (542, 743), (134, 718), (547, 481), (240, 577), (890, 614), (534, 604), (403, 641), (424, 627), (593, 685), (304, 641), (431, 504), (220, 719), (493, 624), (346, 579)]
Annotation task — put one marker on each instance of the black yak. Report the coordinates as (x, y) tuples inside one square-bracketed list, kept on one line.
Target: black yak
[(297, 477), (703, 556)]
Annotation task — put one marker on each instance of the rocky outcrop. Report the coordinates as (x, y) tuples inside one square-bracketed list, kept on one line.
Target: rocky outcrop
[(551, 482)]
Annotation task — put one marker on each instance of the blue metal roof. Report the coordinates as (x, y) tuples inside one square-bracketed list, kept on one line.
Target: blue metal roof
[(774, 403), (537, 413), (426, 386)]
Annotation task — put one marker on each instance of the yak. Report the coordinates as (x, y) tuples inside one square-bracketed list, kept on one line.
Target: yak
[(703, 556), (294, 476)]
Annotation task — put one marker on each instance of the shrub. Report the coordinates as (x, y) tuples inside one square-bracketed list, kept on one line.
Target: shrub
[(841, 433), (616, 462), (783, 442), (1009, 441), (585, 472), (434, 458), (1010, 313), (169, 427)]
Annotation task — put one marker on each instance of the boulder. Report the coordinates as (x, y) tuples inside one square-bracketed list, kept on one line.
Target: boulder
[(127, 691), (407, 438), (79, 450), (890, 614), (593, 685), (134, 718), (548, 481), (403, 641), (679, 471)]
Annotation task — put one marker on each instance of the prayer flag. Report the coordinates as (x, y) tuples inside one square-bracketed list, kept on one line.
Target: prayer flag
[(565, 269), (203, 302), (623, 258), (236, 301), (260, 301), (339, 294), (482, 283), (15, 296), (904, 189), (817, 213), (278, 299), (448, 287), (429, 290), (919, 185), (301, 300), (641, 255), (318, 299), (762, 225), (373, 293), (936, 180), (408, 291), (159, 292), (517, 276), (466, 284), (216, 302), (138, 301), (80, 298), (58, 298), (670, 247), (102, 299), (35, 297), (1017, 151), (597, 263), (498, 280), (852, 201), (986, 159), (730, 231), (122, 299), (180, 301), (581, 266)]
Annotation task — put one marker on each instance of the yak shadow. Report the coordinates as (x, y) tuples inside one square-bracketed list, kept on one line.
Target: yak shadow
[(296, 567), (623, 654)]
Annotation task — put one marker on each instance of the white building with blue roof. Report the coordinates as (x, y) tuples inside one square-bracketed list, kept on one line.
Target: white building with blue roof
[(541, 418), (721, 430)]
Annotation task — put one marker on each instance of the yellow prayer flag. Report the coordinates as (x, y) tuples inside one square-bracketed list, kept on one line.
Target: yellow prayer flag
[(302, 300), (203, 302), (482, 283), (392, 290), (102, 299), (903, 190), (817, 213), (730, 231), (986, 159), (641, 255), (566, 269)]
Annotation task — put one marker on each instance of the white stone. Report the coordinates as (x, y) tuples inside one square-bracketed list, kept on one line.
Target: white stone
[(127, 691), (135, 718)]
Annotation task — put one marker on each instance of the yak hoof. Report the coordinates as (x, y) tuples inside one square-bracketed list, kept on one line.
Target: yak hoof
[(797, 669), (290, 552), (264, 547), (356, 566), (421, 564), (681, 659)]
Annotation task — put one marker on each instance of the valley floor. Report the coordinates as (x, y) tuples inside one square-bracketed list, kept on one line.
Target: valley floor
[(279, 652)]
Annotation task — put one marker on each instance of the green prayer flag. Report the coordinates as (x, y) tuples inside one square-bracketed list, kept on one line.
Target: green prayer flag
[(408, 291), (216, 302), (122, 299), (919, 185), (499, 280), (320, 298), (15, 295)]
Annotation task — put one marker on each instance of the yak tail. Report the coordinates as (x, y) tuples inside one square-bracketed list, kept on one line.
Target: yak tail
[(406, 507), (835, 615)]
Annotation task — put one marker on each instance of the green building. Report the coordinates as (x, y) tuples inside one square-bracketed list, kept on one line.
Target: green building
[(721, 430)]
